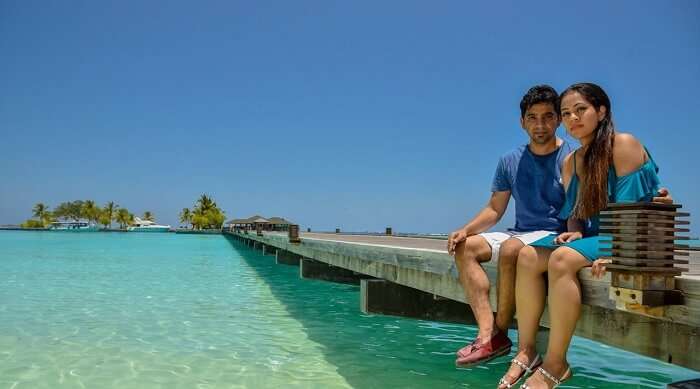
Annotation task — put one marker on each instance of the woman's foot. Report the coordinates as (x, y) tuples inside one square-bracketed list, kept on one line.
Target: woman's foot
[(548, 376), (523, 364)]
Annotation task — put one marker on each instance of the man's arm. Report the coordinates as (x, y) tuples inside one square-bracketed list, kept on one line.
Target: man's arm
[(485, 219), (489, 215)]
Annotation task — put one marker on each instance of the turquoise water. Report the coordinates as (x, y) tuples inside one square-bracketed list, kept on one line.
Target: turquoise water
[(114, 310)]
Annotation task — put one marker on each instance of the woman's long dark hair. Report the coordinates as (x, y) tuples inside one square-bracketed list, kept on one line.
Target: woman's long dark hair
[(593, 192)]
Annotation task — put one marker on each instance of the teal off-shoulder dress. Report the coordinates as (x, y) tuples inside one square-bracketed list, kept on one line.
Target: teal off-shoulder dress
[(640, 185)]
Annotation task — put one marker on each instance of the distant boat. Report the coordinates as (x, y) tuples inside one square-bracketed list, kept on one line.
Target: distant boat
[(75, 226), (146, 226)]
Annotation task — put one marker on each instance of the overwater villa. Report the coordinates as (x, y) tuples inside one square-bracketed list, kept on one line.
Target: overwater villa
[(253, 222)]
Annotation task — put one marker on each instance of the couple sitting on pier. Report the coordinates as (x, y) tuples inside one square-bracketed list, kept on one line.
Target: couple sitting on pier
[(558, 193)]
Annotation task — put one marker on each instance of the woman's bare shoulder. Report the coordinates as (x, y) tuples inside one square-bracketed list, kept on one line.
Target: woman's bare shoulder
[(628, 153)]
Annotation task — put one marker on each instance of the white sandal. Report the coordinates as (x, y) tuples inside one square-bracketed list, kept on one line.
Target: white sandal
[(549, 376), (527, 370)]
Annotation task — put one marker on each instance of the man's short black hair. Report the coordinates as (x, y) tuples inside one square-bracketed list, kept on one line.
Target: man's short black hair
[(539, 94)]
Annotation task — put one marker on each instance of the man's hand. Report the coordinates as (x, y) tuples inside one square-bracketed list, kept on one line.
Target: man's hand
[(454, 239), (567, 237), (664, 196)]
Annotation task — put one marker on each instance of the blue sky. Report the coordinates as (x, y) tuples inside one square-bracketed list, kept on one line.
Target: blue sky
[(351, 114)]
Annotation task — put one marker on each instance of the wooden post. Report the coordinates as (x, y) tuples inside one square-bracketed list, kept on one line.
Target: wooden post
[(641, 246), (294, 233)]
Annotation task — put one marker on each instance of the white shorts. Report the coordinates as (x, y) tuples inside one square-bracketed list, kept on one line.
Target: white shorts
[(494, 239)]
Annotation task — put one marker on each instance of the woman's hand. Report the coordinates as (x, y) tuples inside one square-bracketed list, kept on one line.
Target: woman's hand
[(663, 196), (598, 267), (567, 237)]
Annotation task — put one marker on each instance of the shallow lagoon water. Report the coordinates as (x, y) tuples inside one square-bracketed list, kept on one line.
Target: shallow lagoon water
[(138, 310)]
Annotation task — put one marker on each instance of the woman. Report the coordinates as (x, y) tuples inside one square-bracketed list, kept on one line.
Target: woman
[(609, 167)]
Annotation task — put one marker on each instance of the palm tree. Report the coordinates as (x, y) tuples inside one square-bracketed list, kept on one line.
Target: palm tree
[(91, 211), (148, 216), (104, 219), (186, 216), (205, 203), (41, 211), (206, 213), (110, 209), (123, 217), (69, 210)]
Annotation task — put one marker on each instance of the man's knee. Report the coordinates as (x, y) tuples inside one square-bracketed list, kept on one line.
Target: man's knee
[(474, 248), (508, 254)]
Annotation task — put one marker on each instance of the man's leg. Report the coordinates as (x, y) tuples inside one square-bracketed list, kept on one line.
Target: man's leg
[(505, 289), (474, 280)]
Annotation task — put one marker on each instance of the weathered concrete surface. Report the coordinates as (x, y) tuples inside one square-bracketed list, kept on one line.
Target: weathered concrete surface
[(424, 264)]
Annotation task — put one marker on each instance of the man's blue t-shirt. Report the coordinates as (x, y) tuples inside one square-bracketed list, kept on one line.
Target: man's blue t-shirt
[(535, 183)]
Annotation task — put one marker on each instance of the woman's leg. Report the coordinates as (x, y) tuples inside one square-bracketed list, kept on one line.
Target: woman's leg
[(564, 300), (564, 310), (530, 300), (530, 294)]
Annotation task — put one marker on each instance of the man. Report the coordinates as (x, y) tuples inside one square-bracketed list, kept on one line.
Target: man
[(531, 174)]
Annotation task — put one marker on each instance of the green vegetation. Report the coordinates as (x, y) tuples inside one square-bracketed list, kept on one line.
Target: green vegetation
[(205, 215), (82, 209), (109, 212), (41, 212), (31, 223), (69, 210), (91, 211), (185, 216), (123, 217)]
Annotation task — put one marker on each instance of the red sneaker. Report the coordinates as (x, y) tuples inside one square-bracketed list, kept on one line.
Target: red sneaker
[(478, 352)]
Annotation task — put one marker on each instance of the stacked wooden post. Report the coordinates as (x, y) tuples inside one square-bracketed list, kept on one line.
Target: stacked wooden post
[(294, 233), (644, 254)]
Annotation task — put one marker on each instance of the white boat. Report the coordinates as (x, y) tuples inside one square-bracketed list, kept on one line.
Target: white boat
[(74, 226), (146, 226)]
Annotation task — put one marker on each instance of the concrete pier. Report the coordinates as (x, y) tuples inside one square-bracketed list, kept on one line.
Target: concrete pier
[(284, 257), (268, 250), (309, 268), (388, 298), (670, 333)]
